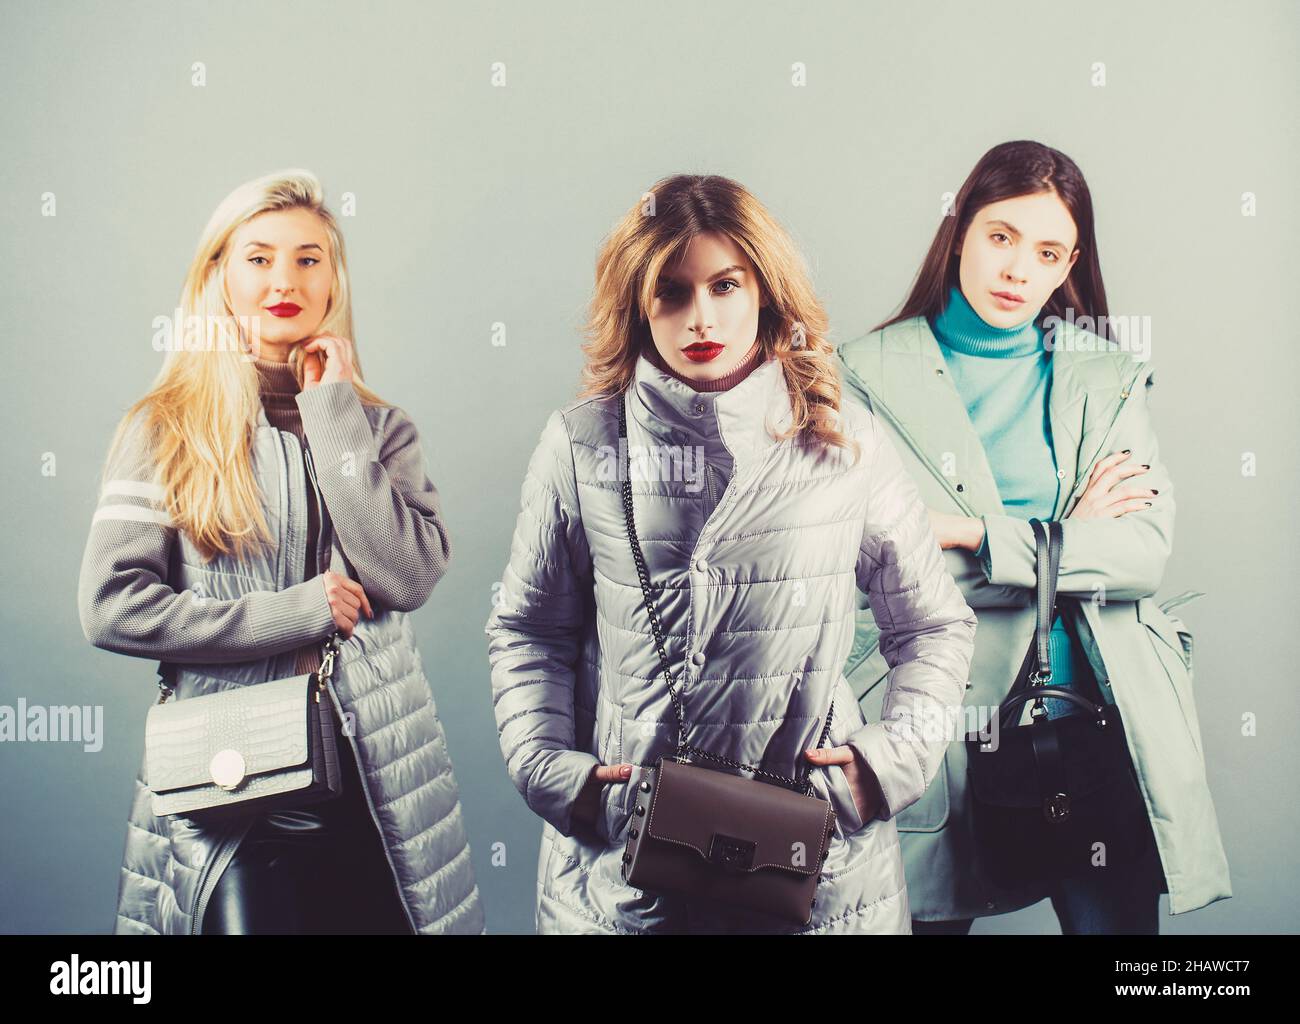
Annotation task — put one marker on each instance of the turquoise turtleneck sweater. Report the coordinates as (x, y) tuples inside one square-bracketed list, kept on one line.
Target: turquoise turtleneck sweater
[(1004, 376)]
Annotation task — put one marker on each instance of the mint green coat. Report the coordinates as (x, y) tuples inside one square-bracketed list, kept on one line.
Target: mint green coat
[(1097, 405)]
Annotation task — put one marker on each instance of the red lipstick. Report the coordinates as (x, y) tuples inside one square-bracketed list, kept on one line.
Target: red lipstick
[(285, 309), (702, 351)]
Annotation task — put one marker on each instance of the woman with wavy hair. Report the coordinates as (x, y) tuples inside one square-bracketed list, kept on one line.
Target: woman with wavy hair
[(762, 507), (258, 499)]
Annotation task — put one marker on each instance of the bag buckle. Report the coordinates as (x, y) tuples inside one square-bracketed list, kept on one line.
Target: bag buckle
[(732, 853), (1056, 808)]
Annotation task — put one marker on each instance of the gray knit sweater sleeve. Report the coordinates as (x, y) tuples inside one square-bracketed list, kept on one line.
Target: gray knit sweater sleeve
[(127, 606), (384, 509)]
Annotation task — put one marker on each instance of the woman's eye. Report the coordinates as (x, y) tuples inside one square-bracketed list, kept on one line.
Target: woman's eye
[(254, 260), (997, 236), (733, 287), (1051, 255), (311, 260)]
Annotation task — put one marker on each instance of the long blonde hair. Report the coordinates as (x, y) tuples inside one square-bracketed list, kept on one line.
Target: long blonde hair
[(201, 412), (792, 325)]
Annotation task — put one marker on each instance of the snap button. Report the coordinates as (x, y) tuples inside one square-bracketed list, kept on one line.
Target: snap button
[(227, 768), (697, 658), (961, 487), (700, 408), (701, 565), (1060, 474), (990, 905)]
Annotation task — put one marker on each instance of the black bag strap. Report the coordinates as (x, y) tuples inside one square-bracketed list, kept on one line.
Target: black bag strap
[(1048, 565), (1036, 670), (685, 750)]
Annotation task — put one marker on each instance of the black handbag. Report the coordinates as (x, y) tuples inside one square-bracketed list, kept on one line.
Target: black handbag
[(756, 843), (1057, 797)]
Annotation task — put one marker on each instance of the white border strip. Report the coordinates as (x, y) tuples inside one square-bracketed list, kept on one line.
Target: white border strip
[(135, 489)]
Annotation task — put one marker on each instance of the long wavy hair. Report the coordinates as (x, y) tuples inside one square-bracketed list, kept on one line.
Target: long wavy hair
[(1006, 171), (201, 412), (792, 325)]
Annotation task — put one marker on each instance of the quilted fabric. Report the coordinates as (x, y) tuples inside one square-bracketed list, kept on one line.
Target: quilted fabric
[(759, 585), (171, 864)]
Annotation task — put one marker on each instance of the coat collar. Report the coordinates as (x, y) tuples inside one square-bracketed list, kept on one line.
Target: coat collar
[(905, 375), (743, 419)]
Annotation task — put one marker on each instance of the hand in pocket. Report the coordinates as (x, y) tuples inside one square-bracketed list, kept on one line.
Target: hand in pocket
[(863, 784), (587, 806)]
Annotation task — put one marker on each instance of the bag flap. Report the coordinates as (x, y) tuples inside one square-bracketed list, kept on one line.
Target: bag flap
[(266, 724), (736, 822)]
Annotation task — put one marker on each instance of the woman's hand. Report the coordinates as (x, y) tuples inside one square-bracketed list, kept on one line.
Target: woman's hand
[(327, 358), (867, 796), (347, 601), (587, 806), (1101, 501), (956, 531)]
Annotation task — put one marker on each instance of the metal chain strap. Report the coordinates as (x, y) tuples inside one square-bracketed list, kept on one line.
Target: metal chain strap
[(801, 781)]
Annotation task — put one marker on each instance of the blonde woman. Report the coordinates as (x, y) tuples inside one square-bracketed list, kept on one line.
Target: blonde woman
[(257, 499), (706, 335)]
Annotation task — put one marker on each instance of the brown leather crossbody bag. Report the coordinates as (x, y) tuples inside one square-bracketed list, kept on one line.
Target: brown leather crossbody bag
[(697, 831)]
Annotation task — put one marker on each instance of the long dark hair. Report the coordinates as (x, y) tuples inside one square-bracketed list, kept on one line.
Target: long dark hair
[(1004, 172)]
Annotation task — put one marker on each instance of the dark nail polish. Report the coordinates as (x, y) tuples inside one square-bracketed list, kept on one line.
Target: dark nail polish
[(1154, 491), (1145, 466), (1126, 451)]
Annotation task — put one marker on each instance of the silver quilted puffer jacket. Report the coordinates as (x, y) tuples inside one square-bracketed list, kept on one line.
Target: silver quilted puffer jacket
[(171, 865), (760, 551)]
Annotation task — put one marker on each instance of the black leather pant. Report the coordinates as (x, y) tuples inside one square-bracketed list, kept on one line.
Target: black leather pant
[(321, 870)]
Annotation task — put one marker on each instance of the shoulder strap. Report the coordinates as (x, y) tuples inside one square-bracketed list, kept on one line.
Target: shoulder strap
[(1036, 669), (685, 750)]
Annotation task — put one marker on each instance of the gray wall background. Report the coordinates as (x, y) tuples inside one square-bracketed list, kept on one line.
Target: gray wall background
[(478, 205)]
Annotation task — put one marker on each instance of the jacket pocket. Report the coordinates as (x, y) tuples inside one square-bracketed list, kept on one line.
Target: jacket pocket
[(1180, 627), (615, 797), (1172, 643), (840, 795)]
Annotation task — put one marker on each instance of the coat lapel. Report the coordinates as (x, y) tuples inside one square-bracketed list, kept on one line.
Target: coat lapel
[(908, 382)]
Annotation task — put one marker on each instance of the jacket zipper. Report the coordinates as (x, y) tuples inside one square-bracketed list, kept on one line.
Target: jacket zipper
[(329, 683), (224, 849), (352, 742)]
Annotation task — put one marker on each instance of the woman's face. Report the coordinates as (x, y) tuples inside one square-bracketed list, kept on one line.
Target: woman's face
[(704, 317), (1016, 252), (278, 269)]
